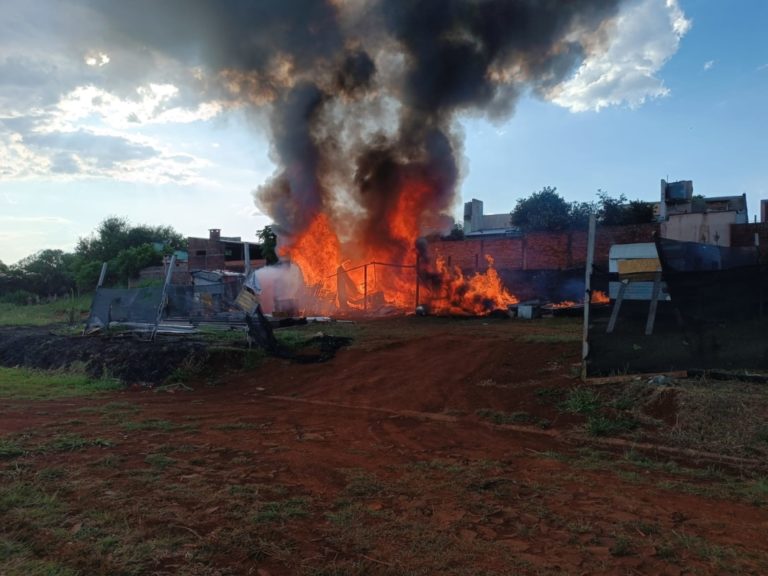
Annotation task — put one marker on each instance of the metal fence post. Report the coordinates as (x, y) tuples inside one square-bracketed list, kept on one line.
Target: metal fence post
[(587, 294)]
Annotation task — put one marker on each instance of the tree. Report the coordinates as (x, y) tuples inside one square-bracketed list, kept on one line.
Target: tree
[(116, 234), (127, 249), (46, 273), (618, 212), (131, 261), (3, 268), (268, 244), (544, 210), (456, 233), (109, 239)]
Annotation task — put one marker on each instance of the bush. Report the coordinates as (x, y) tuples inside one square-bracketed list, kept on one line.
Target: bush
[(19, 298)]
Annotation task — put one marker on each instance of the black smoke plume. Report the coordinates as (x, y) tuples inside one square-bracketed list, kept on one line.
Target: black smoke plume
[(363, 96)]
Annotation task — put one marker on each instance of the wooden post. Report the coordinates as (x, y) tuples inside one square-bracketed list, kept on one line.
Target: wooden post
[(617, 306), (247, 258), (365, 287), (418, 265), (654, 304), (587, 294), (168, 276)]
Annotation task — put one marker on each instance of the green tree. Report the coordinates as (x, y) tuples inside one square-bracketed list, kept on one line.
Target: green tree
[(268, 240), (131, 261), (544, 210), (619, 212), (3, 268), (456, 233), (46, 273), (126, 249), (110, 237), (115, 234)]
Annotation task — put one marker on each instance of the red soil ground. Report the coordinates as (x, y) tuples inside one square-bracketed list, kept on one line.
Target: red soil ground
[(391, 466)]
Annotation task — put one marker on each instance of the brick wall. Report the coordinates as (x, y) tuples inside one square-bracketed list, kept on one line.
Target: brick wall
[(744, 234), (205, 254), (539, 250)]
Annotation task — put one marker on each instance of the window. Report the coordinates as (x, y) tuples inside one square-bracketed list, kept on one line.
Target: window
[(200, 253)]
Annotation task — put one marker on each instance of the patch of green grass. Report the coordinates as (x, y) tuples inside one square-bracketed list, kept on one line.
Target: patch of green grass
[(25, 566), (282, 510), (30, 501), (44, 314), (9, 548), (151, 424), (159, 461), (236, 426), (581, 401), (622, 546), (108, 461), (48, 474), (293, 339), (705, 549), (253, 358), (26, 384), (120, 407), (600, 425), (72, 442), (9, 449), (361, 484)]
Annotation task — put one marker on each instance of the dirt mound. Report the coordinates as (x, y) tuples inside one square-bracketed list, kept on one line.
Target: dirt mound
[(122, 357)]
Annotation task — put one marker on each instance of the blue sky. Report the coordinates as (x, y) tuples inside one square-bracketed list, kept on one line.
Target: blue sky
[(680, 93)]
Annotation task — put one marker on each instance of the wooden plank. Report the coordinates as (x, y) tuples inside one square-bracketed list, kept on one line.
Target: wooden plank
[(654, 304), (617, 307)]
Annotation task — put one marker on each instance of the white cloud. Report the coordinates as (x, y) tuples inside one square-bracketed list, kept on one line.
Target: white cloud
[(151, 104), (646, 34), (97, 59), (708, 64), (35, 220)]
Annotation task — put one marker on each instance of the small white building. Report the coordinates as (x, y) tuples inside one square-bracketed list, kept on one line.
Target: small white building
[(689, 218)]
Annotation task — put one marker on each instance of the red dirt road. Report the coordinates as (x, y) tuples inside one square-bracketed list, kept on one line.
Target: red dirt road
[(376, 462)]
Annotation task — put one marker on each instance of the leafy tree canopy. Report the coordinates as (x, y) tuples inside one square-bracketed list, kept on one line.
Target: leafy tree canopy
[(126, 248), (116, 234), (546, 210), (542, 210)]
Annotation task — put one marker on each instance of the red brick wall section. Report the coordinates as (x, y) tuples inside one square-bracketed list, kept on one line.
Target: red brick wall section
[(539, 250), (744, 235), (213, 259)]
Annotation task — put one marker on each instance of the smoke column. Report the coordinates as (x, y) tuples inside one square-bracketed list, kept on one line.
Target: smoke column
[(363, 96)]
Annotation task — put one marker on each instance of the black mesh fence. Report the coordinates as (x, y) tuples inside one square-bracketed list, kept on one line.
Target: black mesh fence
[(714, 317), (214, 302), (125, 305)]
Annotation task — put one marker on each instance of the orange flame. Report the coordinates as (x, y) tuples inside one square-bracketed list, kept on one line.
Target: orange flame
[(599, 297), (564, 304), (376, 270), (478, 294)]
